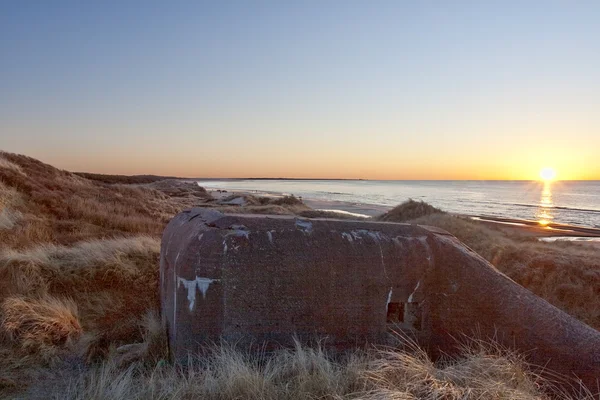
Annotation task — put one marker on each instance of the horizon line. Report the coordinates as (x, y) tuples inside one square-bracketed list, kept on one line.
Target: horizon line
[(331, 179)]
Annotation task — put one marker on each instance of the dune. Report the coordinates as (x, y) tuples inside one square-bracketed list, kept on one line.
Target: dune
[(79, 303)]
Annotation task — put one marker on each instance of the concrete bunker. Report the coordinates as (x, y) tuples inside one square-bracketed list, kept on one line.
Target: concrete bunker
[(256, 278)]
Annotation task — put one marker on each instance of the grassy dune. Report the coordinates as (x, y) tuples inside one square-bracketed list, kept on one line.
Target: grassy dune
[(79, 303)]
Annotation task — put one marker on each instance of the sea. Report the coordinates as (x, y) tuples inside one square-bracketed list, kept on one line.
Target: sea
[(565, 202)]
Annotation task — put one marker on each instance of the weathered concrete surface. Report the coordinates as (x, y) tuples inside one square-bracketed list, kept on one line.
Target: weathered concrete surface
[(265, 278)]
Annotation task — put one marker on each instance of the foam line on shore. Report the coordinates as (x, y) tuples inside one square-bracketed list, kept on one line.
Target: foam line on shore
[(344, 212)]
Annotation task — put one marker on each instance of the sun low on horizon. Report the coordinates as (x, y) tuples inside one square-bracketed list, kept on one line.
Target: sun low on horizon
[(548, 174)]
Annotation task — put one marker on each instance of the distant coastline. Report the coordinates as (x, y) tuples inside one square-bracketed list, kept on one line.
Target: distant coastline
[(147, 178)]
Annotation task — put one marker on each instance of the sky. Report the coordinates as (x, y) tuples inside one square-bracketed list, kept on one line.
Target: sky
[(308, 89)]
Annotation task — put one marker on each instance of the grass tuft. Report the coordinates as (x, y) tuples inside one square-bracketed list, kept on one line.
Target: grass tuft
[(409, 210), (40, 326), (224, 372)]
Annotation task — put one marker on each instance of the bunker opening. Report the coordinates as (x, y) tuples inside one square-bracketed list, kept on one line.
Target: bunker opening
[(405, 315), (395, 313)]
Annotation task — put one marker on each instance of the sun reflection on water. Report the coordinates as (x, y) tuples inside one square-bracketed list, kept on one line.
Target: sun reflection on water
[(545, 212)]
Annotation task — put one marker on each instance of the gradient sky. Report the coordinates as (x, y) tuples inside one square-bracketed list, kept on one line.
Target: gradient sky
[(379, 90)]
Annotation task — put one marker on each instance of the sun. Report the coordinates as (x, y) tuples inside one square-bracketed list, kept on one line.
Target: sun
[(548, 174)]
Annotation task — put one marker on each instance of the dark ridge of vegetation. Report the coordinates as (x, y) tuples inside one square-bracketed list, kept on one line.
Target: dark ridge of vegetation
[(180, 188), (248, 199), (123, 179), (251, 200), (408, 210), (286, 201)]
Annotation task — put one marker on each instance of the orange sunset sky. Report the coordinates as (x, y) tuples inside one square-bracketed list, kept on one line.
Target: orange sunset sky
[(390, 90)]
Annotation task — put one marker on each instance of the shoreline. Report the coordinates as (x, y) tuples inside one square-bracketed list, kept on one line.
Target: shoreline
[(552, 231), (535, 229)]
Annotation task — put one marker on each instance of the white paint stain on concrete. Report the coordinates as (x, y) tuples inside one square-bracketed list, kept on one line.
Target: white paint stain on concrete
[(365, 233), (376, 236), (382, 261), (423, 240), (305, 226), (203, 284), (199, 283), (239, 231), (235, 231), (410, 298), (454, 287)]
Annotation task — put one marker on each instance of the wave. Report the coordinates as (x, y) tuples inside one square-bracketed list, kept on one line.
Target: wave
[(337, 193), (590, 210)]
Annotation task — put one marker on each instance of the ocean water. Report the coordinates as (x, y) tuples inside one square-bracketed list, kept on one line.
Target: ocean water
[(567, 202)]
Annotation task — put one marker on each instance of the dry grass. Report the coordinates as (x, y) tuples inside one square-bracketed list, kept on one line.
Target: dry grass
[(40, 326), (484, 371), (224, 372), (249, 204), (41, 204), (408, 210), (9, 198), (6, 164), (50, 295), (286, 201), (179, 188), (79, 301), (123, 179), (227, 373), (9, 218), (250, 200)]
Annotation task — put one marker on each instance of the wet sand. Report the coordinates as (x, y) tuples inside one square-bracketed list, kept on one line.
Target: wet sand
[(368, 210), (534, 228)]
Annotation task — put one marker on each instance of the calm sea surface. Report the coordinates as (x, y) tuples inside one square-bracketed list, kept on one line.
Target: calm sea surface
[(569, 202)]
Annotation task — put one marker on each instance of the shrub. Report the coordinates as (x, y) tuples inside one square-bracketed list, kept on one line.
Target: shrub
[(408, 210), (40, 325)]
